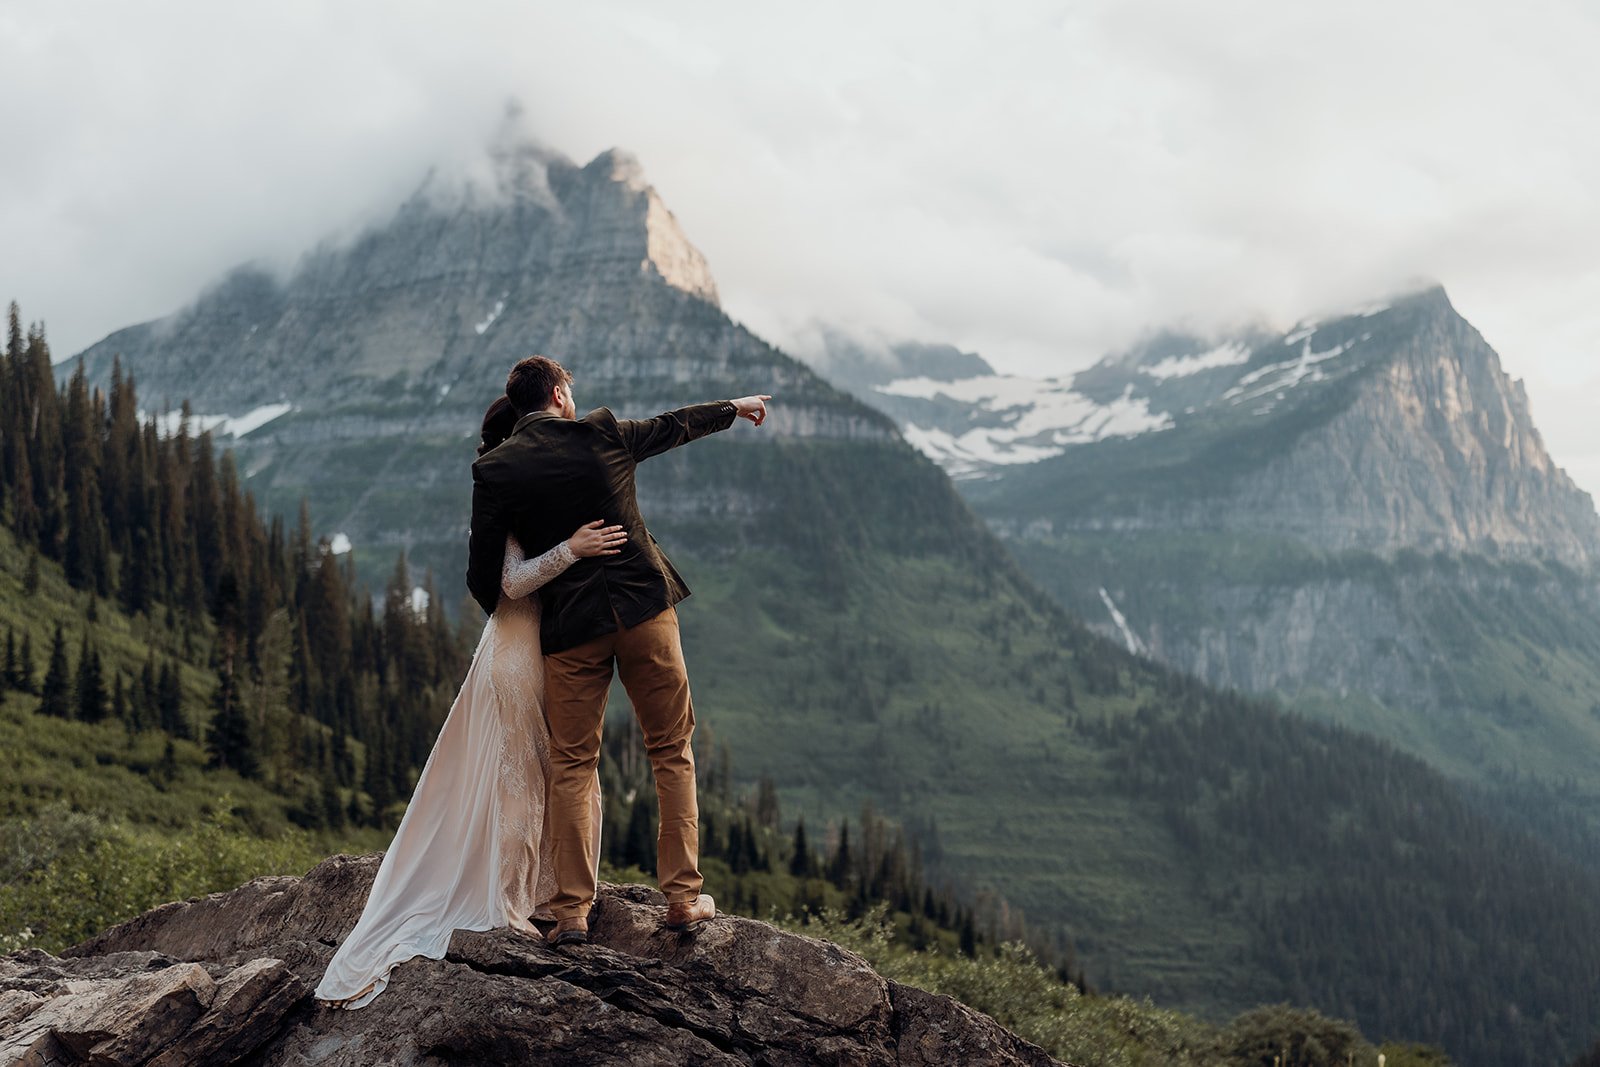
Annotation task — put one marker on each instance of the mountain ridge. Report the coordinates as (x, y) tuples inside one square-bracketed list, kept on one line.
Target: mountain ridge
[(1407, 395), (1358, 515)]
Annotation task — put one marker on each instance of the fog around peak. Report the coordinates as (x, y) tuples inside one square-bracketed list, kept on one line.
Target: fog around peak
[(1034, 184)]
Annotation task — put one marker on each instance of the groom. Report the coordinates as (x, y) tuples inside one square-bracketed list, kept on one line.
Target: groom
[(555, 473)]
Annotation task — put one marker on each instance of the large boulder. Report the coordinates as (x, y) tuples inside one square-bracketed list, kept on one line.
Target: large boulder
[(227, 978)]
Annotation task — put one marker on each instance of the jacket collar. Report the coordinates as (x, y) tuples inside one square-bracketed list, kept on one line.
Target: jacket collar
[(532, 417)]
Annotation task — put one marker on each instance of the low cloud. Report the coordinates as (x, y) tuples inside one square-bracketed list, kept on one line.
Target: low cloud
[(1034, 183)]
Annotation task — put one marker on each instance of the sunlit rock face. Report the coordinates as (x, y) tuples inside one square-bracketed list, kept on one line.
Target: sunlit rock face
[(1387, 428), (1357, 514)]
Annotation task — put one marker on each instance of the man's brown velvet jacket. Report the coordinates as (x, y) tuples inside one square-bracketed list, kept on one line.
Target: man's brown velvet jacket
[(550, 477)]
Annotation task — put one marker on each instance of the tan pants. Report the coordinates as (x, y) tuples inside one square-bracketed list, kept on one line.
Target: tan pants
[(649, 657)]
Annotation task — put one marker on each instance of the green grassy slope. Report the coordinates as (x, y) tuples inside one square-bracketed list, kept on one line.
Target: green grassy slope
[(99, 822), (935, 678)]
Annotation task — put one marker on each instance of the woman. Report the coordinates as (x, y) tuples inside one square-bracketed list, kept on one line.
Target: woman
[(471, 852)]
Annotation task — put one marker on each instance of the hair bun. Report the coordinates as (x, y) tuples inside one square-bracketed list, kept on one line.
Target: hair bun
[(498, 422)]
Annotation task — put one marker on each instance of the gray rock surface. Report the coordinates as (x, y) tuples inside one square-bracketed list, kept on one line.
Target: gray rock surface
[(388, 347), (1437, 450), (1379, 431), (226, 978), (1361, 518)]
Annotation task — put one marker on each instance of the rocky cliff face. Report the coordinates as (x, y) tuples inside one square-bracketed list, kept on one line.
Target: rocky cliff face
[(1437, 450), (1391, 428), (227, 978), (1358, 515), (362, 377)]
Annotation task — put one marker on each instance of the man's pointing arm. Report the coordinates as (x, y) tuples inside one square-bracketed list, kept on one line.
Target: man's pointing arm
[(651, 437)]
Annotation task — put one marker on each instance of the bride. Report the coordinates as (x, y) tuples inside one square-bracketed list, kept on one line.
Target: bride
[(471, 852)]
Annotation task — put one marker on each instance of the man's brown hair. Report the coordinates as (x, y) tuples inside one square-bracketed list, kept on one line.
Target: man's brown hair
[(531, 382)]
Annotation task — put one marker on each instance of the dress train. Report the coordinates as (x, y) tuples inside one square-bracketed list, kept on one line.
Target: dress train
[(472, 851)]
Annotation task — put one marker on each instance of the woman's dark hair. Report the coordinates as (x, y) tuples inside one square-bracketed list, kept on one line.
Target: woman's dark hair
[(497, 423), (531, 382)]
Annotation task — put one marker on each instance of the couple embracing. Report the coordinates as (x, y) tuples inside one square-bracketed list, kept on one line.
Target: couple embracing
[(503, 828)]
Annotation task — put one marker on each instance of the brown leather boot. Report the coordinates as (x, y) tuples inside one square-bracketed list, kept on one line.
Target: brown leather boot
[(691, 914), (573, 931)]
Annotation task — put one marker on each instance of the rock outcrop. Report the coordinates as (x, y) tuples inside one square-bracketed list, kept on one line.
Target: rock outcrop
[(227, 978)]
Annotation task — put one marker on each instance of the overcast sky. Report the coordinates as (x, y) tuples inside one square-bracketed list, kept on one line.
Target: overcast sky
[(1040, 183)]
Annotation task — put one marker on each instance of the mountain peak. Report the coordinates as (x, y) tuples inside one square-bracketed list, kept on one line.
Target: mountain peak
[(668, 250), (619, 165)]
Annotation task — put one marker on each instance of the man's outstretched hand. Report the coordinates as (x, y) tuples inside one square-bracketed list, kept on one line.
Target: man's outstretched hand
[(753, 408)]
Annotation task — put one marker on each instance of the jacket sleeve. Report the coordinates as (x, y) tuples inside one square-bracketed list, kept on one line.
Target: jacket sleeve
[(651, 437), (486, 544)]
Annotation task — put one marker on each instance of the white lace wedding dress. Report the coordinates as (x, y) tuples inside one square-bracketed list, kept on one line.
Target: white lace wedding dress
[(471, 852)]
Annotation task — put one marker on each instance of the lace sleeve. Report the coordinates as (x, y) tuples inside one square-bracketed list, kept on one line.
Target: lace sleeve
[(521, 576)]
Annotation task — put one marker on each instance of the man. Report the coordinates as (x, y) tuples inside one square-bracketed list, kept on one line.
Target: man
[(603, 613)]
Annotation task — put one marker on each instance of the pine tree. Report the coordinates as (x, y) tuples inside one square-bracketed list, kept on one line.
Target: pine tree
[(343, 760), (87, 554), (767, 803), (205, 518), (119, 702), (839, 866), (145, 702), (134, 582), (710, 843), (169, 703), (12, 672), (376, 779), (30, 581), (800, 860), (737, 860), (14, 345), (755, 857), (639, 843), (25, 664), (54, 696), (40, 518), (332, 808), (398, 620), (308, 814), (91, 687), (230, 742), (166, 770)]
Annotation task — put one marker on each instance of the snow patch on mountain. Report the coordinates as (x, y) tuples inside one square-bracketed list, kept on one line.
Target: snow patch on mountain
[(1032, 407), (499, 306), (169, 422), (1036, 419), (1275, 377), (1230, 354), (972, 452), (238, 427)]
